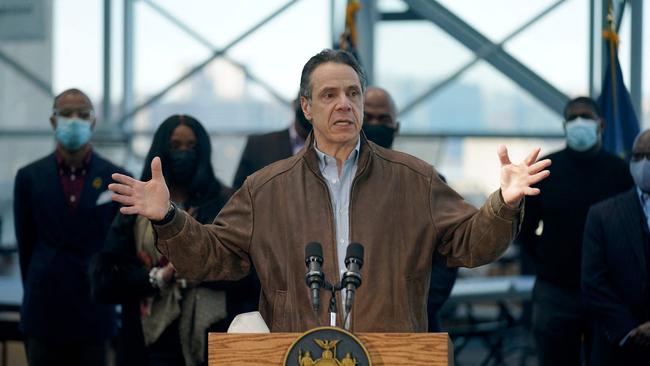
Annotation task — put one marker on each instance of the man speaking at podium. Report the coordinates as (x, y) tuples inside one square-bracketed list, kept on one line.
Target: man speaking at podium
[(339, 189)]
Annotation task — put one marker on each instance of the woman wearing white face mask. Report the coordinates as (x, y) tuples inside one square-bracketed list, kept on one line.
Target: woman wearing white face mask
[(581, 175)]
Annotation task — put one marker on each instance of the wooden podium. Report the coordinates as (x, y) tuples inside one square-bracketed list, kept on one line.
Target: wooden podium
[(413, 349)]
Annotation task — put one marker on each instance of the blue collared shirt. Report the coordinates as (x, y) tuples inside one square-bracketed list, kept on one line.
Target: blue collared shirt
[(644, 199), (340, 188)]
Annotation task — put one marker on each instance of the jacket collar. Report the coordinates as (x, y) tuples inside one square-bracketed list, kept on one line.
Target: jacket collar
[(635, 223), (309, 155)]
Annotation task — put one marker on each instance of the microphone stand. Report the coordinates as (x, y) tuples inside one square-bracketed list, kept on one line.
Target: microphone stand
[(332, 307)]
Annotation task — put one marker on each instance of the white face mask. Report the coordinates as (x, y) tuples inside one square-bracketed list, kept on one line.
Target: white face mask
[(72, 133), (640, 171), (582, 134)]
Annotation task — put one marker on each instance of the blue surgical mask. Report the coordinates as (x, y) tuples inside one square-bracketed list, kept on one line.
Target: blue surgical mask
[(640, 171), (72, 133), (582, 134)]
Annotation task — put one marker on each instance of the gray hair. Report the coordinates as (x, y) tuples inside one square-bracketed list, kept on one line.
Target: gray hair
[(324, 56)]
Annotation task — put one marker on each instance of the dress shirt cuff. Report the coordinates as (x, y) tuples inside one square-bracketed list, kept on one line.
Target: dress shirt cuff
[(502, 210)]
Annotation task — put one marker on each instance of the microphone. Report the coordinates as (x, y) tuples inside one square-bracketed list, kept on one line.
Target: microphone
[(352, 277), (314, 276)]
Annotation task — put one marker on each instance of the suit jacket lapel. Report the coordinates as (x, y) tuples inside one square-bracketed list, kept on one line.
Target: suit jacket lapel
[(93, 186), (53, 187), (634, 223)]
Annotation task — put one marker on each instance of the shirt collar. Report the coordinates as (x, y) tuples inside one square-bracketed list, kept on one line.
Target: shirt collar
[(644, 200), (325, 159), (85, 163)]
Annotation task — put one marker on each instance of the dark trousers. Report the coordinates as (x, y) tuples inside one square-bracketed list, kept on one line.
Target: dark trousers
[(560, 326), (167, 350), (45, 352)]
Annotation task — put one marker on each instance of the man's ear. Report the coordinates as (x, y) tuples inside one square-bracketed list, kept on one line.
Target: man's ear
[(53, 122), (306, 108), (397, 124), (601, 124), (92, 124)]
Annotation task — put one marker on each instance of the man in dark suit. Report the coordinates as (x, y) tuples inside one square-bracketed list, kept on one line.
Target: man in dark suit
[(262, 150), (616, 268), (62, 212)]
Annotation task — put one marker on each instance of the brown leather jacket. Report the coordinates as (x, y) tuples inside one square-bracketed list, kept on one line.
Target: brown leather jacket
[(399, 210)]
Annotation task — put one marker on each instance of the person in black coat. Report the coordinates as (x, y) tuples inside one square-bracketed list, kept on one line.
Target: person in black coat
[(262, 150), (616, 268), (165, 318), (62, 212), (582, 174)]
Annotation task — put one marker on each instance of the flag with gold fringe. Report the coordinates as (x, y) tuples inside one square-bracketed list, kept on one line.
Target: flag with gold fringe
[(621, 123), (348, 39)]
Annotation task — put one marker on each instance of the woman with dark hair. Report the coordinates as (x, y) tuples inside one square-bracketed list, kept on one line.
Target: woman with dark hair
[(164, 317)]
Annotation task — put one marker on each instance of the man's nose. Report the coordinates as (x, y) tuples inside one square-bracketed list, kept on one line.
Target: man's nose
[(344, 102)]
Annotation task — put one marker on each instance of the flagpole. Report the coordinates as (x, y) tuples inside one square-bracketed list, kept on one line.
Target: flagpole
[(612, 37)]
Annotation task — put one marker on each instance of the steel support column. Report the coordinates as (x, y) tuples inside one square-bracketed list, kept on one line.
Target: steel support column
[(127, 58), (106, 101), (366, 19), (592, 42), (636, 59)]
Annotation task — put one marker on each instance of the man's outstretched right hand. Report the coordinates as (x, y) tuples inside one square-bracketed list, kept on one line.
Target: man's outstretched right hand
[(149, 199)]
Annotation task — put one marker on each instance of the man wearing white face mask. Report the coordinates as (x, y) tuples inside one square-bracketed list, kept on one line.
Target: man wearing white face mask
[(616, 268), (62, 212), (581, 175)]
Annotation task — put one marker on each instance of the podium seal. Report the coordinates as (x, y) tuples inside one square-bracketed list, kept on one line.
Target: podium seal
[(327, 346)]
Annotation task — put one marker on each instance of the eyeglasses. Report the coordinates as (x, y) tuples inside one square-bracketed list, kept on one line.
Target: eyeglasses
[(638, 156), (81, 113)]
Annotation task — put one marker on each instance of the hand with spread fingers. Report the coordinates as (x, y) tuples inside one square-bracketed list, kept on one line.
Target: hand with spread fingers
[(149, 199), (517, 179)]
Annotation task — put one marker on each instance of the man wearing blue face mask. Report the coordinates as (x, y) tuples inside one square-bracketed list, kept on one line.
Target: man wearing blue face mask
[(616, 268), (62, 212), (552, 231)]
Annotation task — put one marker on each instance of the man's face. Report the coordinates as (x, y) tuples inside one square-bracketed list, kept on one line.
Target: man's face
[(73, 105), (378, 110), (336, 105)]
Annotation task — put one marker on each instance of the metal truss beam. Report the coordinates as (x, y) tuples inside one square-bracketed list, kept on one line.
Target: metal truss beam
[(215, 54), (481, 54), (40, 84), (527, 79), (205, 42)]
